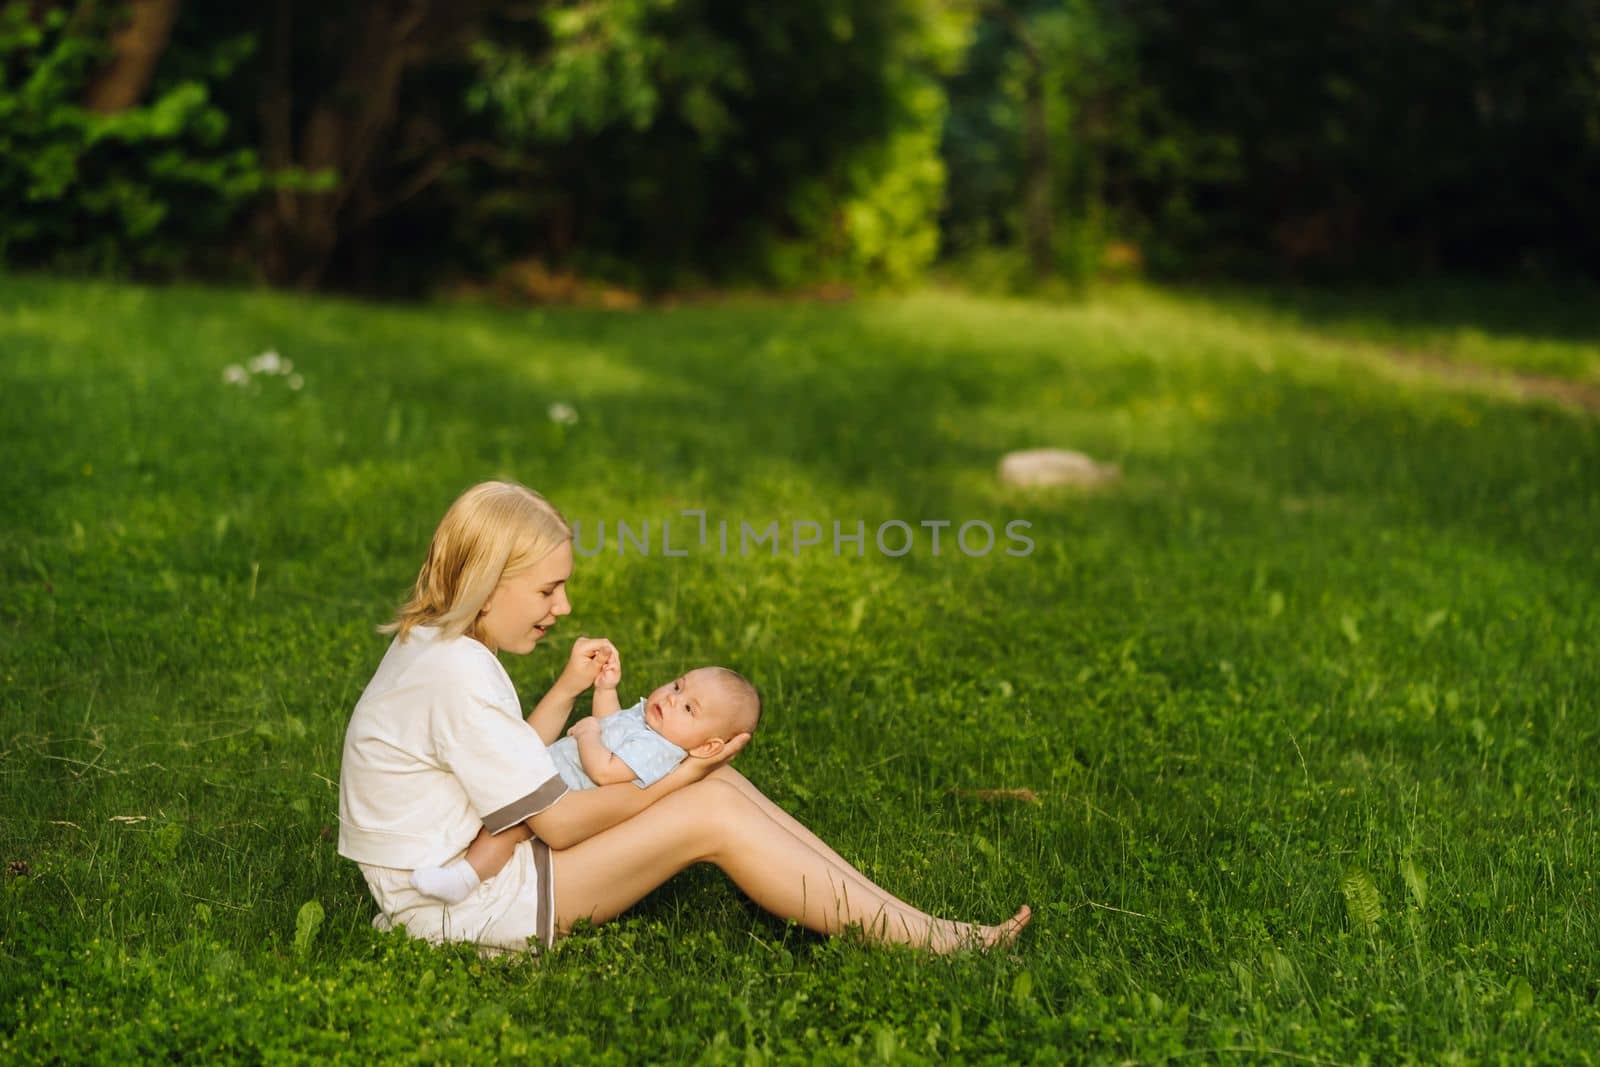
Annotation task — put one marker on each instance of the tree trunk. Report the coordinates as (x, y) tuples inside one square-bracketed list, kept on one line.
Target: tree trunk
[(348, 121), (1037, 212), (1037, 179), (345, 129), (135, 49), (276, 109)]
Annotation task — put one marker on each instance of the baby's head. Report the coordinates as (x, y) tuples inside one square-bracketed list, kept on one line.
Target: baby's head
[(703, 709)]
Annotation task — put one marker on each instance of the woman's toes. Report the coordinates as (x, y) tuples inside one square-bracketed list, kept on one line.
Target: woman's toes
[(1007, 932)]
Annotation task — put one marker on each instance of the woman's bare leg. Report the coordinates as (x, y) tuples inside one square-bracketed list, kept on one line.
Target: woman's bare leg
[(714, 821), (727, 774), (1004, 933), (721, 827)]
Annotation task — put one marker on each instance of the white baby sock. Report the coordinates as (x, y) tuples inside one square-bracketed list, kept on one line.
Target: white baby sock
[(451, 884)]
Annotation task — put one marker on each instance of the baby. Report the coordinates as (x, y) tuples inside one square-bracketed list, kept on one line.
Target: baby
[(692, 715)]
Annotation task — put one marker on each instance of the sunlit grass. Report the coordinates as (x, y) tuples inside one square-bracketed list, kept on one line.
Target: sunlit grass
[(1307, 700)]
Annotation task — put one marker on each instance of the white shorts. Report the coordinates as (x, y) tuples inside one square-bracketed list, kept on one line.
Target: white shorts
[(503, 913)]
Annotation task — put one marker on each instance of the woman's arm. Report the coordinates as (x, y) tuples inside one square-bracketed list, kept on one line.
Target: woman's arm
[(582, 813), (552, 711)]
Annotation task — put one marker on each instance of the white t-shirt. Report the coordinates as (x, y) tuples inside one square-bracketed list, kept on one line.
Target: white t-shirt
[(437, 748)]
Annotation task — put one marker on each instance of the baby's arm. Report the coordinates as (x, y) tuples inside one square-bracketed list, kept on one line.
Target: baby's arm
[(606, 701), (599, 762)]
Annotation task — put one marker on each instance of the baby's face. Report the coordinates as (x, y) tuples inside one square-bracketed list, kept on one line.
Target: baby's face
[(692, 709)]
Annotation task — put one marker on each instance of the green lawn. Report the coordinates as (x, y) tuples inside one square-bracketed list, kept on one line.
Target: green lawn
[(1308, 700)]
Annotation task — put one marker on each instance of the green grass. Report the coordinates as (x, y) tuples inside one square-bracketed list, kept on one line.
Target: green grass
[(1308, 700)]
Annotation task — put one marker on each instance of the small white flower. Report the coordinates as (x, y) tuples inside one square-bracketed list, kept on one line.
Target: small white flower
[(562, 414), (296, 382), (266, 363), (233, 374)]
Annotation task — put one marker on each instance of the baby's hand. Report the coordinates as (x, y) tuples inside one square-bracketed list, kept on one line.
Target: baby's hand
[(610, 675), (589, 654), (582, 727)]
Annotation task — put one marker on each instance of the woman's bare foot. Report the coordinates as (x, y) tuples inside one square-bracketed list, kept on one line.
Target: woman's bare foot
[(963, 937), (1005, 934)]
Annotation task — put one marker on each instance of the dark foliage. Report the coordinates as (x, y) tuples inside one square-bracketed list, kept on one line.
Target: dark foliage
[(1379, 138), (392, 145)]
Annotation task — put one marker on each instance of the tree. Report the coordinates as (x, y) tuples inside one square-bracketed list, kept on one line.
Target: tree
[(1037, 177), (135, 50), (339, 123), (1037, 113)]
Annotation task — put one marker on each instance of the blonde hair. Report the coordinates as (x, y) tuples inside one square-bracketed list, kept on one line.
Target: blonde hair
[(493, 530)]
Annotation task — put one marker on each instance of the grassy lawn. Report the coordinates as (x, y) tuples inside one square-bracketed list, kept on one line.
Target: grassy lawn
[(1308, 701)]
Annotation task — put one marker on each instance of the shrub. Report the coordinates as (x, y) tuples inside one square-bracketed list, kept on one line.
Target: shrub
[(148, 188)]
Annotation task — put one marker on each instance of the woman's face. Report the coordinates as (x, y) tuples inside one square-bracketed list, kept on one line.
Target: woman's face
[(524, 607)]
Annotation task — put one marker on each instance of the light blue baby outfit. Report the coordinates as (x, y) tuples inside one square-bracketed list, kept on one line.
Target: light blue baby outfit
[(648, 755)]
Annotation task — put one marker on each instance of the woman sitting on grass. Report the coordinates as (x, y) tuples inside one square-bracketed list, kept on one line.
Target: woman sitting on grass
[(437, 749)]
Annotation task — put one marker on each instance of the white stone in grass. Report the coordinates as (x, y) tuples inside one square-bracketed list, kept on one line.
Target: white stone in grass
[(1044, 467)]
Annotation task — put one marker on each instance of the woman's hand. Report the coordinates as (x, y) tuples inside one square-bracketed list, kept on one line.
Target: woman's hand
[(694, 768), (589, 655), (586, 812)]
